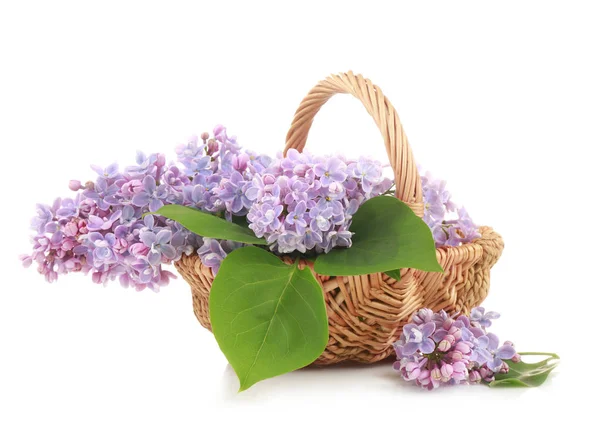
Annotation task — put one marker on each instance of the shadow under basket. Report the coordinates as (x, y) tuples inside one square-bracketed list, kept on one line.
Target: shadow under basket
[(366, 313)]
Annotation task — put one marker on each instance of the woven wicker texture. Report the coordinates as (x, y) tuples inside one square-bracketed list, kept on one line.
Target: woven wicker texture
[(366, 313)]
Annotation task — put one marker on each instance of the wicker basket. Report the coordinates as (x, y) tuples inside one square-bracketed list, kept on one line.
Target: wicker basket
[(366, 313)]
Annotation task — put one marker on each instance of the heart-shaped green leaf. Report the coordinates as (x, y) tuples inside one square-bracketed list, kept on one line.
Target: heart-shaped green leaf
[(209, 225), (387, 235), (523, 374), (268, 317)]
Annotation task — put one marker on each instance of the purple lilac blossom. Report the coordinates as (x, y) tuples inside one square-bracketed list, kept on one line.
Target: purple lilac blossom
[(437, 349), (450, 225), (298, 203)]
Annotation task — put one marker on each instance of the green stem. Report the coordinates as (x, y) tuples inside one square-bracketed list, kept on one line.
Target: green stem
[(554, 355)]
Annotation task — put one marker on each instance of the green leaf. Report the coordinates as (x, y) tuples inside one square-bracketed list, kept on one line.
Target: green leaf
[(523, 374), (395, 274), (208, 225), (387, 235), (268, 317)]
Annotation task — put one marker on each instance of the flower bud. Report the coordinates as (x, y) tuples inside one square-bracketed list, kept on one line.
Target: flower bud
[(423, 316), (455, 332), (204, 136), (89, 185), (485, 372), (436, 374), (455, 355), (161, 160), (516, 358), (448, 324), (444, 345), (462, 347), (413, 370), (75, 185), (504, 368), (447, 370), (71, 229), (474, 376)]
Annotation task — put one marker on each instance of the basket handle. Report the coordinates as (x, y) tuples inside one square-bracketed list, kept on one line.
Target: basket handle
[(406, 175)]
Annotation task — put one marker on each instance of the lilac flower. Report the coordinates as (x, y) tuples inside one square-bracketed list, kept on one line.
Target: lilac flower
[(212, 254), (256, 189), (158, 244), (312, 238), (102, 193), (45, 215), (101, 249), (265, 218), (186, 153), (151, 195), (109, 172), (96, 223), (200, 166), (332, 170), (145, 165), (287, 242), (232, 193), (128, 216), (200, 194), (497, 354), (321, 215), (417, 338), (367, 171), (69, 208), (483, 318), (423, 316), (297, 217), (434, 207)]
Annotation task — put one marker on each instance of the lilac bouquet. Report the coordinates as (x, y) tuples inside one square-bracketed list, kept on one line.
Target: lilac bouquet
[(299, 203)]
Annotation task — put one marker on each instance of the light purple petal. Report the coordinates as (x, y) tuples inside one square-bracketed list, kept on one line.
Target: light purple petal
[(428, 329), (410, 349), (492, 315), (427, 346), (168, 251), (506, 352), (154, 257), (485, 356), (155, 205), (439, 335), (149, 184), (164, 236), (148, 237), (495, 364), (494, 341), (141, 199)]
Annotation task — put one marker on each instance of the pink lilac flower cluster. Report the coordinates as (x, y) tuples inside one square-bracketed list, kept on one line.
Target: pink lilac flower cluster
[(437, 349), (298, 203), (450, 225), (102, 230), (303, 202)]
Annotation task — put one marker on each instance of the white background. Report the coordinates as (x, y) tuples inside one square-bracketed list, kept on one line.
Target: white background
[(499, 98)]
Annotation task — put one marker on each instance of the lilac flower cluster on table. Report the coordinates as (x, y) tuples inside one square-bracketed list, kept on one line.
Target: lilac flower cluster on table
[(298, 203), (437, 349)]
